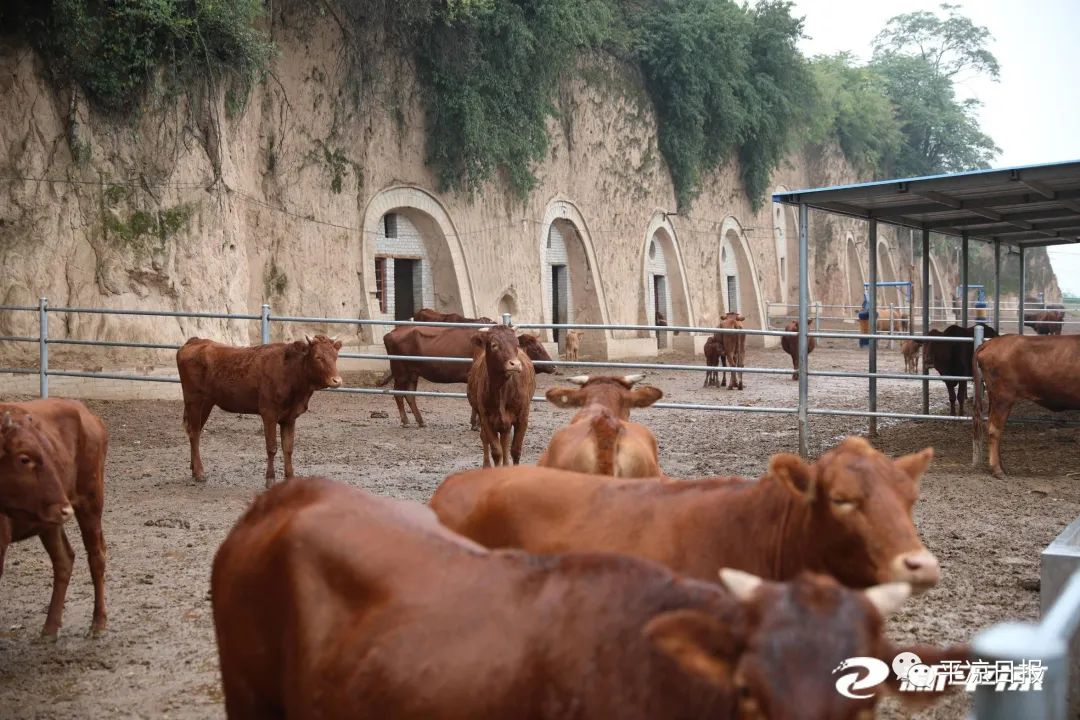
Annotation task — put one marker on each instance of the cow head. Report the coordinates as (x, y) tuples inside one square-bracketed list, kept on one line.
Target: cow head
[(322, 353), (615, 393), (535, 350), (30, 486), (500, 346), (732, 320), (859, 504), (779, 656)]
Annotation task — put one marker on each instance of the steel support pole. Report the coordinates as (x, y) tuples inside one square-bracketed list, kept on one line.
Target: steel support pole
[(1023, 291), (43, 347), (804, 300), (873, 324), (997, 284), (926, 315), (977, 401), (964, 280), (264, 325)]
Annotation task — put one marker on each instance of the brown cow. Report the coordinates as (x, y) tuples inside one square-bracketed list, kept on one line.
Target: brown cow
[(732, 349), (1046, 322), (1023, 367), (712, 359), (444, 342), (600, 438), (910, 350), (500, 389), (892, 320), (953, 359), (848, 515), (311, 622), (790, 345), (52, 466), (429, 315), (273, 381)]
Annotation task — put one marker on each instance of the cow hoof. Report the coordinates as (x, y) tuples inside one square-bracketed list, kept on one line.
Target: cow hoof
[(47, 637), (998, 473), (95, 632), (199, 478)]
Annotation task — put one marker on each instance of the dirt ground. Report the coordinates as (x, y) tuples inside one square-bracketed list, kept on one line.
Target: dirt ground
[(159, 660)]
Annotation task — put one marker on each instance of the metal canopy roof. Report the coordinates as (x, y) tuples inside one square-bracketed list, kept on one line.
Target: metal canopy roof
[(1031, 206)]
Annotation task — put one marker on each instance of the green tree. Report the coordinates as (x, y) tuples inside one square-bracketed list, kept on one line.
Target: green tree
[(919, 55)]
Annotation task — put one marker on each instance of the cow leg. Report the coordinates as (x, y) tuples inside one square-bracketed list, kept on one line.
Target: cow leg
[(951, 386), (474, 420), (288, 434), (270, 433), (795, 366), (519, 440), (723, 375), (999, 413), (63, 559), (412, 404), (400, 402), (89, 519), (5, 540), (962, 396), (195, 415)]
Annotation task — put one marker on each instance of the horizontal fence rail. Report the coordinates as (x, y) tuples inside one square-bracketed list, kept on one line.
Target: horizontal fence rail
[(266, 318)]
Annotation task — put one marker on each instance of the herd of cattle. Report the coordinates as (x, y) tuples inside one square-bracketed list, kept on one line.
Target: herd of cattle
[(591, 585)]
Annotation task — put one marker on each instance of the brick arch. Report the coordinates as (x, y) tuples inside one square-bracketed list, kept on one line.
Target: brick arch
[(446, 259), (662, 230), (752, 305), (586, 291)]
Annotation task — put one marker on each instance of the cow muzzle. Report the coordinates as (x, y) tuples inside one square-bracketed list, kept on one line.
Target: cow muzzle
[(59, 514), (513, 367), (919, 567), (334, 382)]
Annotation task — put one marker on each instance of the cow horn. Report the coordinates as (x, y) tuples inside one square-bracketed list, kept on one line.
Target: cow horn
[(888, 598), (579, 379), (334, 339), (740, 584), (308, 339), (631, 379), (483, 329), (8, 423)]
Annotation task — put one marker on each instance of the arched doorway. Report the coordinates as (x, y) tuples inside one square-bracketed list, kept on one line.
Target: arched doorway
[(738, 284), (412, 258), (570, 285), (665, 286), (786, 238), (941, 307), (855, 273), (893, 295)]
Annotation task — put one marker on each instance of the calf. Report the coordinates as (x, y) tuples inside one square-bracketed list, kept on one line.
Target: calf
[(573, 343), (1045, 322), (600, 438), (953, 358), (273, 381), (445, 342), (848, 515), (52, 466), (732, 349), (712, 359), (910, 350), (1021, 367), (310, 622), (790, 345), (892, 320), (500, 389)]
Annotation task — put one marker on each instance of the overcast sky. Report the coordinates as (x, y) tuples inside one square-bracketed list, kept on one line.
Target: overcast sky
[(1032, 113)]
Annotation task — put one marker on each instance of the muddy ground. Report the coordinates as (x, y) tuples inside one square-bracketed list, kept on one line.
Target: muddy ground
[(159, 660)]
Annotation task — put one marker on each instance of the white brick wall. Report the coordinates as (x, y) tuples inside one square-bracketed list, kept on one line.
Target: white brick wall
[(656, 265), (555, 255)]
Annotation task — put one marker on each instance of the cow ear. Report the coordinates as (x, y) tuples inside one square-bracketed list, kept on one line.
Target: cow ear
[(915, 465), (699, 643), (565, 397), (792, 471), (741, 318), (645, 396)]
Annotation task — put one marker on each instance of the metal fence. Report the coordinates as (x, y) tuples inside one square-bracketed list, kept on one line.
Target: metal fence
[(833, 312), (266, 319)]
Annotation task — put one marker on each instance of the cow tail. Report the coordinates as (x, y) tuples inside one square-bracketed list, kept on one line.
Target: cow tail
[(385, 378), (977, 425), (606, 428)]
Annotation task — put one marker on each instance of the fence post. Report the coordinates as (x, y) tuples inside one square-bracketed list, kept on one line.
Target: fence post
[(817, 316), (264, 324), (43, 347), (977, 427), (892, 324)]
